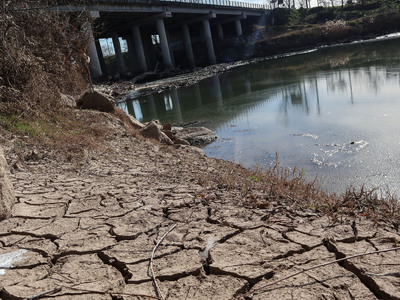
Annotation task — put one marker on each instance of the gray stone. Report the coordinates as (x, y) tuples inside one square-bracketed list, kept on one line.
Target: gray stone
[(7, 198), (196, 136), (96, 101)]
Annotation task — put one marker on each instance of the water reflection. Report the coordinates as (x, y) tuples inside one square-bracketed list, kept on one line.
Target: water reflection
[(333, 112)]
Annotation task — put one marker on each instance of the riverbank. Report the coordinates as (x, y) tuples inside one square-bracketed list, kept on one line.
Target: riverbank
[(96, 202), (89, 227)]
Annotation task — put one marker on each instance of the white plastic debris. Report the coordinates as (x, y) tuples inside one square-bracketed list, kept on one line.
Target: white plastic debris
[(7, 259)]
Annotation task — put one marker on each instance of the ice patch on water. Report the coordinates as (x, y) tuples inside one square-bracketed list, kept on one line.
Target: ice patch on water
[(330, 151), (313, 136), (7, 259), (352, 147), (320, 161)]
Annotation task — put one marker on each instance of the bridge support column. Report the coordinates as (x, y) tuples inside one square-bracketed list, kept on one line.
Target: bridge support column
[(101, 58), (220, 32), (141, 58), (238, 26), (209, 41), (164, 43), (118, 54), (188, 44), (94, 65), (131, 54)]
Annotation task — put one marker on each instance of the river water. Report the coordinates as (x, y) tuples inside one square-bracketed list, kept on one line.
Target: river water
[(333, 112)]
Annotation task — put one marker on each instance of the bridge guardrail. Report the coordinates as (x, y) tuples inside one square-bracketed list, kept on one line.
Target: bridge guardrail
[(226, 3)]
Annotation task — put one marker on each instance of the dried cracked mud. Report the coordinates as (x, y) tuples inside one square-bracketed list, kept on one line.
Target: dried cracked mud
[(89, 229)]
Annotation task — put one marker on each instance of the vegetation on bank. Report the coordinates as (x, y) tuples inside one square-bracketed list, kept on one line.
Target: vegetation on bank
[(42, 55), (295, 29)]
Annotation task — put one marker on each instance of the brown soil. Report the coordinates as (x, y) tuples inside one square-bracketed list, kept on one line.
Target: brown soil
[(90, 226)]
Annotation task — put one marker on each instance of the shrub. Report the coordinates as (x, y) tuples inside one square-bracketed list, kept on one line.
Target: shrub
[(335, 29)]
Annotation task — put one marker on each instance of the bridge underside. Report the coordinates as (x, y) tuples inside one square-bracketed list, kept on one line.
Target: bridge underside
[(166, 34)]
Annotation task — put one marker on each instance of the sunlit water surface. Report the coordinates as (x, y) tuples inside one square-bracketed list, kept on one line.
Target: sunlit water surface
[(333, 112)]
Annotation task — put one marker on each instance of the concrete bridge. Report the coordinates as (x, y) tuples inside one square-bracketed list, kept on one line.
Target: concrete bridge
[(170, 33)]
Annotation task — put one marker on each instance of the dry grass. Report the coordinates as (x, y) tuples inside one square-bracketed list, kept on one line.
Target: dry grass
[(42, 53), (259, 187)]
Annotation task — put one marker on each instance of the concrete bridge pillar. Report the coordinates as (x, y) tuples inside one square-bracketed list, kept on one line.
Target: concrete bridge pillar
[(188, 44), (94, 64), (118, 54), (238, 26), (141, 58), (166, 55), (131, 53), (101, 58), (209, 41), (220, 32)]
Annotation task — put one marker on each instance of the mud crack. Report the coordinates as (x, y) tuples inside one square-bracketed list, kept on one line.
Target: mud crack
[(368, 281), (119, 265)]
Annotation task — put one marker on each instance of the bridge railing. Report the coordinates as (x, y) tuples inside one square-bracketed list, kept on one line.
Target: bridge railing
[(226, 3)]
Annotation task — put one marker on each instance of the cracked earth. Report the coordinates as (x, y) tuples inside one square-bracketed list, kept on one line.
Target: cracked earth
[(90, 227)]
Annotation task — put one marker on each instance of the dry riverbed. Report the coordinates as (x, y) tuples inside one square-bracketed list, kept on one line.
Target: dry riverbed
[(89, 228)]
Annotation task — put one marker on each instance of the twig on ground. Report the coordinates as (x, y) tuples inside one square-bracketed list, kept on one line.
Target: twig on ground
[(38, 296), (314, 267), (151, 262)]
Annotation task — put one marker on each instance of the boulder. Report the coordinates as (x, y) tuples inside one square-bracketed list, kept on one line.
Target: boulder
[(67, 101), (7, 198), (152, 131), (135, 123), (96, 101), (196, 136)]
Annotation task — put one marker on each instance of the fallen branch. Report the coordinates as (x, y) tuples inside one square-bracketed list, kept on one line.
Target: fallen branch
[(151, 262), (38, 296), (312, 268)]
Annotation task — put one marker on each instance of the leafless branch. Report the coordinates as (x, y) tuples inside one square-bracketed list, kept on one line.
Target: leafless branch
[(151, 262)]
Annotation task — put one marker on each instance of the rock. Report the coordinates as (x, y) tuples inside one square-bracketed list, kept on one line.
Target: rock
[(135, 123), (165, 139), (169, 134), (152, 131), (181, 142), (96, 101), (67, 101), (196, 136), (167, 126), (7, 198)]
